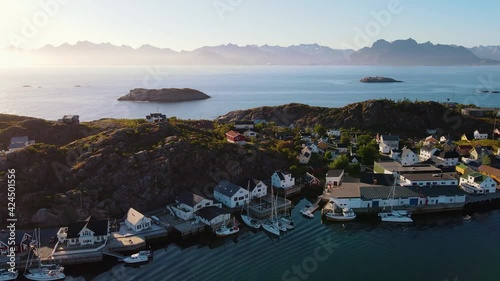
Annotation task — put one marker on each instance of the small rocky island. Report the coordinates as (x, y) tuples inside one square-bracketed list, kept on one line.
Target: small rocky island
[(378, 79), (164, 95)]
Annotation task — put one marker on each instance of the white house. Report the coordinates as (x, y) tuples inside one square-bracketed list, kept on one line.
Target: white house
[(342, 148), (137, 221), (480, 136), (187, 204), (257, 188), (333, 133), (244, 125), (395, 154), (282, 179), (476, 183), (312, 147), (18, 143), (334, 177), (83, 233), (430, 140), (305, 155), (250, 134), (427, 152), (390, 140), (384, 148), (408, 157), (447, 158), (231, 195)]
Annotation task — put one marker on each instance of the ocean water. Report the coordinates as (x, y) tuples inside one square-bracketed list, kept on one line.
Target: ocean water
[(434, 248), (52, 92)]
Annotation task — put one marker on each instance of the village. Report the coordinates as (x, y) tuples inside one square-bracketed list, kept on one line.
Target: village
[(353, 173)]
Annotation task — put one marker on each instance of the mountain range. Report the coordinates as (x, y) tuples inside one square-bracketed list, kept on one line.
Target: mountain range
[(382, 52)]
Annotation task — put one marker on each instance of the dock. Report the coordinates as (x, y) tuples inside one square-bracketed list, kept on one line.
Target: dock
[(261, 208), (315, 205)]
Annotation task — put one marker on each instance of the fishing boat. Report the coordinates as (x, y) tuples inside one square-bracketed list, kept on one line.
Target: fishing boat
[(225, 230), (399, 216), (346, 215), (42, 273), (6, 275), (246, 218), (307, 213), (141, 256)]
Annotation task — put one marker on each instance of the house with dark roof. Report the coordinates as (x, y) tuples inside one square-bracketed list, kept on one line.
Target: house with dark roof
[(446, 158), (212, 215), (305, 155), (284, 135), (408, 157), (244, 124), (188, 203), (477, 183), (137, 221), (342, 148), (477, 153), (427, 151), (282, 179), (230, 194), (22, 242), (256, 187), (388, 142), (156, 117), (87, 232), (464, 150), (334, 177)]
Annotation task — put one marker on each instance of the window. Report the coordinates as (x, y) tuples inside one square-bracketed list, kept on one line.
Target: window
[(246, 196), (139, 227), (208, 203), (234, 199)]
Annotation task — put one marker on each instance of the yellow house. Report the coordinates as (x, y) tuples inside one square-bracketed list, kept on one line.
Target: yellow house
[(489, 171), (461, 168)]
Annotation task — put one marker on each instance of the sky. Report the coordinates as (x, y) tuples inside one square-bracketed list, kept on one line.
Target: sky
[(187, 25)]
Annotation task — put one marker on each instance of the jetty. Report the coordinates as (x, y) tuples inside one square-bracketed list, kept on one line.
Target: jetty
[(261, 208)]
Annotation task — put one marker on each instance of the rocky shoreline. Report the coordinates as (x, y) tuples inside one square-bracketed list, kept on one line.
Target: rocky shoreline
[(378, 79)]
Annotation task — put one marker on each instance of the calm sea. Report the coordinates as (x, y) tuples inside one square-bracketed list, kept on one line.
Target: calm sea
[(52, 92), (434, 248)]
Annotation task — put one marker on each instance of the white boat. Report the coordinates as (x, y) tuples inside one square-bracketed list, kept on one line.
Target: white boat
[(46, 268), (45, 275), (346, 215), (42, 273), (401, 216), (226, 231), (247, 219), (142, 256), (286, 219), (6, 275), (271, 227), (305, 212)]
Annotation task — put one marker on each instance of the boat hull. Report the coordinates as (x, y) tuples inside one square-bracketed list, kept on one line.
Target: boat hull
[(5, 276), (250, 222), (227, 231), (271, 229), (339, 217), (306, 213), (397, 217), (45, 276)]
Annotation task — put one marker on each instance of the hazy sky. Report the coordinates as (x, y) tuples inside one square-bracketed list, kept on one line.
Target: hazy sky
[(182, 24)]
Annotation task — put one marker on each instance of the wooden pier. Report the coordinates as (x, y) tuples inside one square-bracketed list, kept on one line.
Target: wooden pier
[(261, 208), (190, 228)]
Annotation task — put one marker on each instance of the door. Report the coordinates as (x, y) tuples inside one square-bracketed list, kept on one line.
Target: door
[(413, 201), (375, 204)]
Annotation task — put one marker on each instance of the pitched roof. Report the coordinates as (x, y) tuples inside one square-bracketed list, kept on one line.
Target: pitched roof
[(227, 189), (282, 174), (334, 173), (251, 183), (133, 216), (99, 227), (209, 213), (449, 154), (189, 198), (489, 170), (427, 148), (390, 137), (232, 134)]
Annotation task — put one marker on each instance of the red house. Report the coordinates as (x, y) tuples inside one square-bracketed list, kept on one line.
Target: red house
[(235, 137)]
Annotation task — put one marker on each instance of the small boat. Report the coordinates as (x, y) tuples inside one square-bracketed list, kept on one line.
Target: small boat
[(46, 268), (468, 217), (45, 275), (251, 222), (224, 230), (142, 256), (395, 216), (305, 212), (6, 275), (346, 215), (287, 222)]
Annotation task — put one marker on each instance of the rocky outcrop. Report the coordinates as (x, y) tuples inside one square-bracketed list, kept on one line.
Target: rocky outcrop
[(377, 116), (378, 79), (164, 95)]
